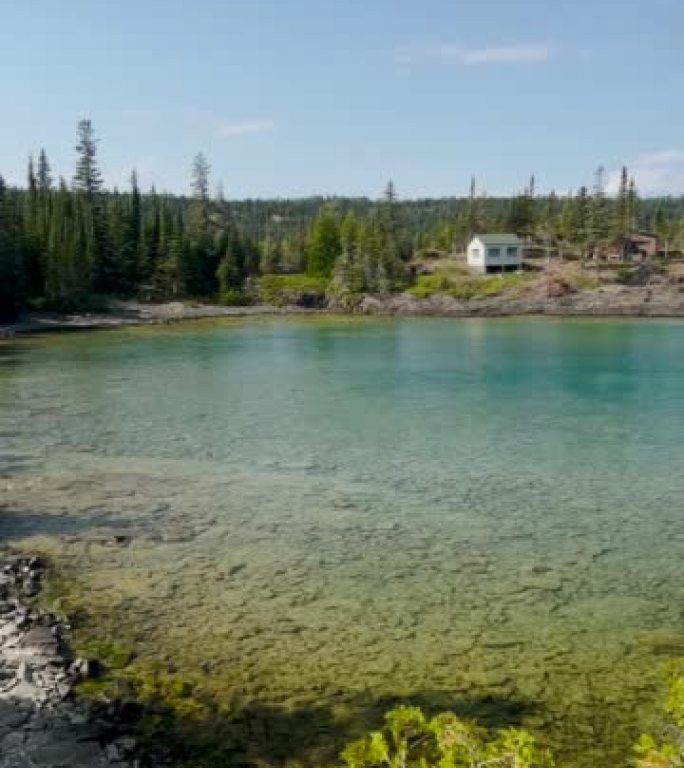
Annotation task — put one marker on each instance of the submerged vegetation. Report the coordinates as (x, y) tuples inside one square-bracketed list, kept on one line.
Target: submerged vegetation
[(205, 733), (409, 739), (66, 245)]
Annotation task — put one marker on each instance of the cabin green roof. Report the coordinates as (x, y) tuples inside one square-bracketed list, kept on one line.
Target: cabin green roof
[(498, 239)]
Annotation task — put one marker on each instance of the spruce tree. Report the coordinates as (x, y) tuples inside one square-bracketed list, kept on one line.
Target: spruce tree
[(44, 173), (599, 224), (324, 247), (87, 178), (200, 191), (349, 235), (632, 205), (131, 251), (11, 255), (622, 224)]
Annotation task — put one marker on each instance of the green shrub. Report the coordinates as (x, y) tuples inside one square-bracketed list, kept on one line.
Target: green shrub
[(410, 740), (234, 297), (427, 285), (668, 750), (284, 289)]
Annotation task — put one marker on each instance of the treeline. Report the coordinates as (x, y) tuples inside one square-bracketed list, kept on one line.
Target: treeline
[(65, 244), (580, 218)]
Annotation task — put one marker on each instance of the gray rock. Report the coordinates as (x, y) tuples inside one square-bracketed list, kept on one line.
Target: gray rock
[(113, 753), (24, 673), (66, 754), (41, 724)]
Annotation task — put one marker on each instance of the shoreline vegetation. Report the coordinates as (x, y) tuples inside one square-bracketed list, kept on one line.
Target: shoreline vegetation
[(99, 708), (77, 249), (648, 301), (445, 289)]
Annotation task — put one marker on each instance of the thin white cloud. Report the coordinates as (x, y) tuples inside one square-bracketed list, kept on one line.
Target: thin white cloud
[(536, 53), (228, 128), (511, 54), (655, 173)]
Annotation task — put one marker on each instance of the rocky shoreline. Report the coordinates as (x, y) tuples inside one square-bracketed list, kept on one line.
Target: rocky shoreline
[(607, 301), (43, 723), (122, 314)]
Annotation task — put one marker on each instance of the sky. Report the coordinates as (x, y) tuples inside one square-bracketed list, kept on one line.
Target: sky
[(289, 98)]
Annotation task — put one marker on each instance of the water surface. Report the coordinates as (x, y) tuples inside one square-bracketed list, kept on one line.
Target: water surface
[(478, 514)]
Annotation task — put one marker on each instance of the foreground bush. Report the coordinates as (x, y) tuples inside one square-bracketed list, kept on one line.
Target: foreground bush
[(667, 750), (409, 739)]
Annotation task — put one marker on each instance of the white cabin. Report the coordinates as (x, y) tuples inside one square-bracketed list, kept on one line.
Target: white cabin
[(495, 253)]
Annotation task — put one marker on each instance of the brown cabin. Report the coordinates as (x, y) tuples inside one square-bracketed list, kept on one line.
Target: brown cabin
[(638, 246)]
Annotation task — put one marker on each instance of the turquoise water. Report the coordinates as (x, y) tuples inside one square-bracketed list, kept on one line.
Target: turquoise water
[(478, 514)]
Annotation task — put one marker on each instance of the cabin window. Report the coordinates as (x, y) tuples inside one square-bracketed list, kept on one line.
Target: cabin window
[(495, 252), (476, 253), (512, 250)]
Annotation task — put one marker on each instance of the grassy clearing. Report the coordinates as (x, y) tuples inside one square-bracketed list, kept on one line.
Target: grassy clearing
[(466, 286)]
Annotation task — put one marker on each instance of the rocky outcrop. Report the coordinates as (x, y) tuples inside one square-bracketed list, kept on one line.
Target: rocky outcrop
[(609, 301), (42, 723)]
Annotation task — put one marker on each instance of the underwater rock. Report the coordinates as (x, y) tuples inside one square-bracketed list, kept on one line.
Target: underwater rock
[(42, 725)]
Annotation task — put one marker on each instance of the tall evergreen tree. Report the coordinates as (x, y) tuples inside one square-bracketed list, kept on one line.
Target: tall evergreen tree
[(633, 205), (200, 191), (44, 173), (599, 219), (324, 247), (87, 178), (12, 287), (131, 247), (622, 223)]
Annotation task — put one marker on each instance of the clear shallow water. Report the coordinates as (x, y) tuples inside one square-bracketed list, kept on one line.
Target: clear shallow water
[(478, 514)]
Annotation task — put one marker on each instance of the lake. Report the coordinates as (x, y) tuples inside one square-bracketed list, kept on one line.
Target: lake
[(322, 517)]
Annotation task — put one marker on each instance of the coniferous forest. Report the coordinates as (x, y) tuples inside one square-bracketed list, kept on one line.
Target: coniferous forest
[(66, 244)]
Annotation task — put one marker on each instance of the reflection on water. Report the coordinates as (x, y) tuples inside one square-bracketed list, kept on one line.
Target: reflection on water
[(316, 514)]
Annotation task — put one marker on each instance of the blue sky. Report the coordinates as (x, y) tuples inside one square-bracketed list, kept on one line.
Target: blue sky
[(296, 97)]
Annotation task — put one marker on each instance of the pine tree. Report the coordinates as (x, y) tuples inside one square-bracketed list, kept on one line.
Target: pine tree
[(169, 267), (390, 193), (88, 178), (44, 173), (155, 230), (474, 219), (576, 220), (324, 247), (200, 191), (665, 229), (521, 216), (349, 235), (622, 224), (598, 230), (12, 288), (632, 205), (131, 246), (200, 177), (31, 182)]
